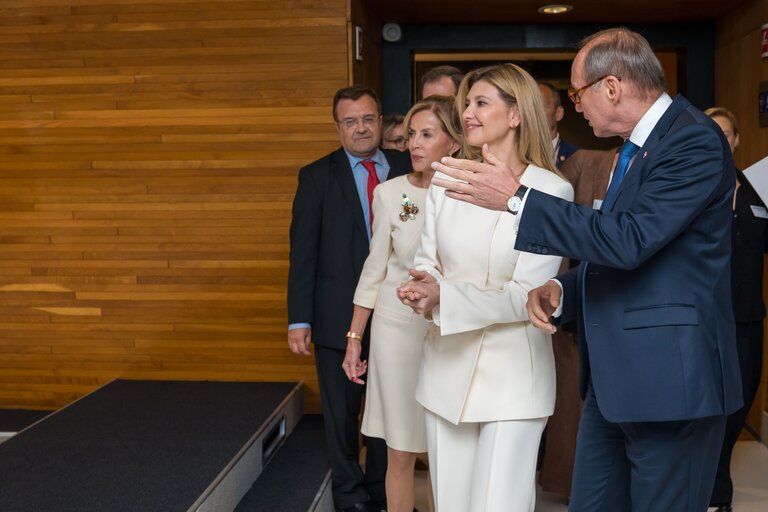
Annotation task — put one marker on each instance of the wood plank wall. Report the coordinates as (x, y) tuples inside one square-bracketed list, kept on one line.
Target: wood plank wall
[(148, 160), (738, 72)]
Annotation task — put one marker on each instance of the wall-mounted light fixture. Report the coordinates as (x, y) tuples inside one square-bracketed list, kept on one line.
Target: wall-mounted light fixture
[(555, 9)]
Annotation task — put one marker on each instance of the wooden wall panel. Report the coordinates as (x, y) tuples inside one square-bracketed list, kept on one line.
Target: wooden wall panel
[(738, 73), (148, 160)]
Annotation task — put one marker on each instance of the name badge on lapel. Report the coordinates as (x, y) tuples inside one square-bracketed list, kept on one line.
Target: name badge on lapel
[(759, 211)]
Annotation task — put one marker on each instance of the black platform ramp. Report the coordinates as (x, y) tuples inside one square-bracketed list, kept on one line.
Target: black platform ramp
[(14, 420), (146, 446), (298, 477)]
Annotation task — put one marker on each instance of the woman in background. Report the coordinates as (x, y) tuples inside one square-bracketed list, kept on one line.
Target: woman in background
[(393, 133), (397, 334), (487, 376), (749, 239)]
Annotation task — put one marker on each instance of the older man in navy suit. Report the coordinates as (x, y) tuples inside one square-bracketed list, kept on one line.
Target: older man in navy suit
[(659, 370)]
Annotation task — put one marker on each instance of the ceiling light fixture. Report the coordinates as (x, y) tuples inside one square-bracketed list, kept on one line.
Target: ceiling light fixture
[(555, 9)]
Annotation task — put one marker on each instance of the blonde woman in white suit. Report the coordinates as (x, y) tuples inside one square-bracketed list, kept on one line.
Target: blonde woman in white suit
[(397, 334), (487, 376)]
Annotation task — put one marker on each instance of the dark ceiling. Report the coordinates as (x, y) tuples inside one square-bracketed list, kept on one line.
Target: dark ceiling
[(525, 11)]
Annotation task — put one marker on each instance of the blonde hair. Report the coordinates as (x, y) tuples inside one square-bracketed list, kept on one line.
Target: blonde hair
[(444, 108), (517, 89), (724, 112)]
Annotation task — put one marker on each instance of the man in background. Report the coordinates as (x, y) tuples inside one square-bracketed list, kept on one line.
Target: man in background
[(330, 233), (442, 80), (553, 107)]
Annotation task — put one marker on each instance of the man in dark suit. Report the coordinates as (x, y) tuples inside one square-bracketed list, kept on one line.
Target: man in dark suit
[(659, 370), (330, 233), (553, 107)]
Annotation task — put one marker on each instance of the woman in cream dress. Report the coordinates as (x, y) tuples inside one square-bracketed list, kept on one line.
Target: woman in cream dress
[(397, 334), (487, 376)]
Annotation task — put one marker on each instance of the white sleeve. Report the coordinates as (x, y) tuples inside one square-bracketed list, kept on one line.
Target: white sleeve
[(375, 267), (466, 307)]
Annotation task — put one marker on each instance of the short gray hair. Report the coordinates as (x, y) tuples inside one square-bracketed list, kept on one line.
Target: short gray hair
[(555, 93), (624, 54)]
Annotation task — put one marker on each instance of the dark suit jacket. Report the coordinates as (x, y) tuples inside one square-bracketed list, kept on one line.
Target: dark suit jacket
[(329, 244), (750, 242), (653, 303), (564, 152)]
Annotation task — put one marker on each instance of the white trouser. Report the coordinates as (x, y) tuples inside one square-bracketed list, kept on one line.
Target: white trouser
[(483, 467)]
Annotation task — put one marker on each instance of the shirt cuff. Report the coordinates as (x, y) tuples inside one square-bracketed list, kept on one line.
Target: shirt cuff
[(435, 314), (300, 325), (559, 310)]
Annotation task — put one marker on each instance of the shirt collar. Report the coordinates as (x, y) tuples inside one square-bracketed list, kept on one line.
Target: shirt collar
[(556, 142), (648, 122), (378, 157)]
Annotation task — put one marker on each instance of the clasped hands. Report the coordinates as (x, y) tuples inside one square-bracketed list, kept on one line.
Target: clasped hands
[(421, 293)]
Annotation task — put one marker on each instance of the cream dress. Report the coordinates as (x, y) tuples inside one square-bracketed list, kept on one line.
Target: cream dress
[(397, 333)]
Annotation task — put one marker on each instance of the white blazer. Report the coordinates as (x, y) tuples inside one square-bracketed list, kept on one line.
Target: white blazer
[(483, 360)]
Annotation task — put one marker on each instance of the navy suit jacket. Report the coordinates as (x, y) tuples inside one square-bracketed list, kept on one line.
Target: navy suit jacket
[(564, 152), (329, 244), (652, 294)]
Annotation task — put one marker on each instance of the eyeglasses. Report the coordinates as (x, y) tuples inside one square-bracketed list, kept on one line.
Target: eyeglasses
[(575, 94), (399, 142), (352, 122)]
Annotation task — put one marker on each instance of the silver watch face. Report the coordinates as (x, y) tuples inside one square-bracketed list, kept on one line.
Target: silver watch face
[(514, 203)]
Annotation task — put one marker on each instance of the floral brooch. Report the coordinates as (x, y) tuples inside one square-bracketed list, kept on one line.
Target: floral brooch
[(409, 209)]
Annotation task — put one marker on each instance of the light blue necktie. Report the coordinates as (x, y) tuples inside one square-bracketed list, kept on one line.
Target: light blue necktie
[(628, 150)]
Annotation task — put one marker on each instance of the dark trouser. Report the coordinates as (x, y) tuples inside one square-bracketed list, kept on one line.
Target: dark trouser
[(749, 345), (664, 466), (341, 408)]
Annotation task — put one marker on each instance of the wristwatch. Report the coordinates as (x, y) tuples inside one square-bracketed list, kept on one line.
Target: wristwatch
[(516, 201)]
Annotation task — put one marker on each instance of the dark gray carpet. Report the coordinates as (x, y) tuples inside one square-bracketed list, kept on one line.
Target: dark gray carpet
[(133, 446), (293, 476), (13, 420)]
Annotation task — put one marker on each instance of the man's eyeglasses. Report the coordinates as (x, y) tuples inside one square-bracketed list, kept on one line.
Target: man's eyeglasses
[(575, 94), (352, 122)]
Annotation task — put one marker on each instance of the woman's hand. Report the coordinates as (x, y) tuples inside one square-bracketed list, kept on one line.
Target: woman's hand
[(352, 365), (421, 295)]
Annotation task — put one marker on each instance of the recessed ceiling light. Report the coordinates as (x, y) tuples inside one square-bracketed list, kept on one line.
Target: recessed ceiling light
[(555, 9)]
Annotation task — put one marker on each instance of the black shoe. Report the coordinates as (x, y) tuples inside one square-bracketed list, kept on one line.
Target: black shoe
[(361, 507), (725, 508)]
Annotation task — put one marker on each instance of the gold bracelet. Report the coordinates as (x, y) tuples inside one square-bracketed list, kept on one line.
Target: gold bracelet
[(354, 335)]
